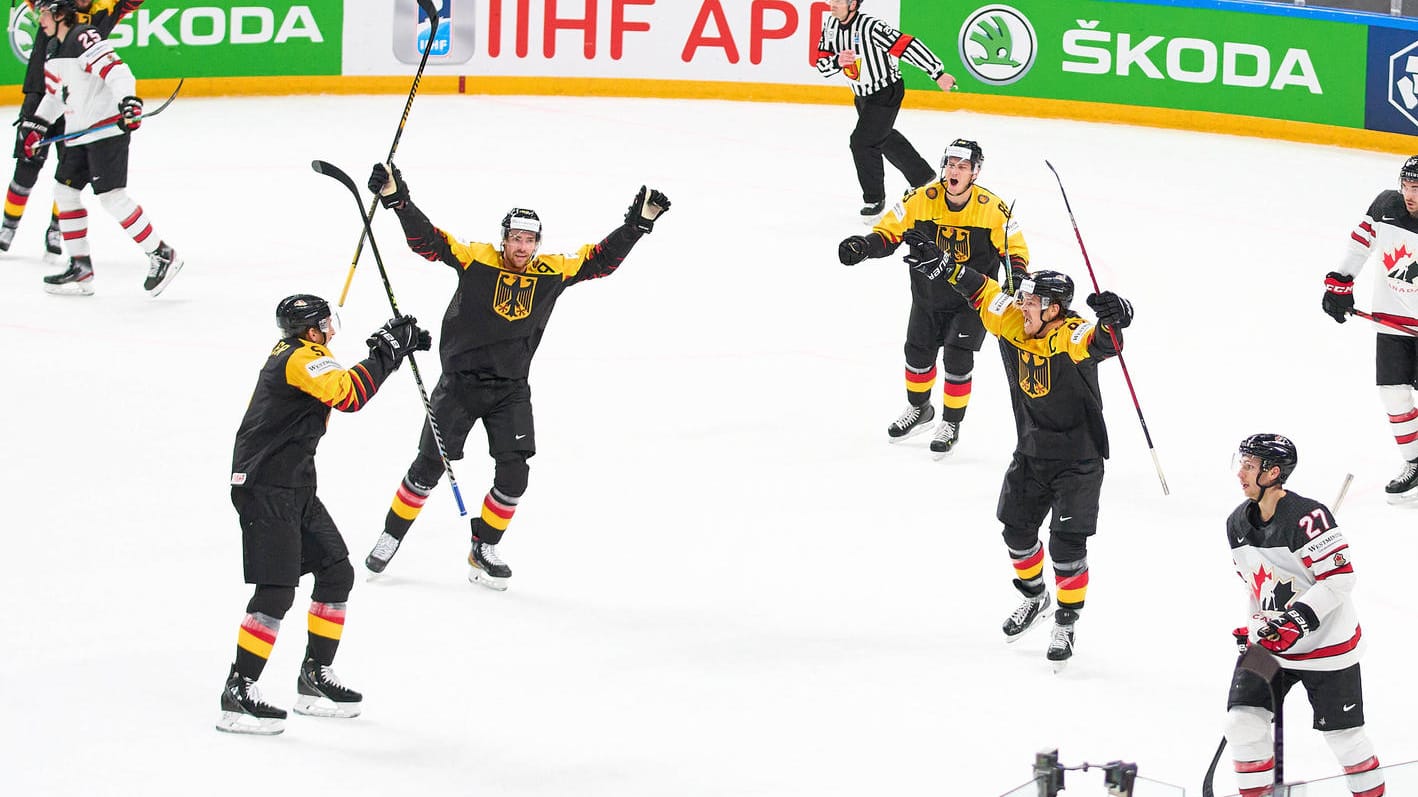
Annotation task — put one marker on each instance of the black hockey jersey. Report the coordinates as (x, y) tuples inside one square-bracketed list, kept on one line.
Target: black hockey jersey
[(290, 409), (1298, 556), (497, 316)]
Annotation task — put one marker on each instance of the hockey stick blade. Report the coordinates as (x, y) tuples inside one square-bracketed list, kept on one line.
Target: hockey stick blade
[(106, 125), (331, 170), (1207, 787)]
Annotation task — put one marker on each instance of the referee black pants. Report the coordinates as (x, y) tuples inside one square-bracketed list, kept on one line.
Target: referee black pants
[(875, 136)]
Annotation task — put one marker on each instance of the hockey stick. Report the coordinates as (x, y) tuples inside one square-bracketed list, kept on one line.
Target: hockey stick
[(1207, 789), (329, 170), (115, 123), (1008, 264), (1343, 491), (432, 14), (1385, 322), (1258, 661), (1118, 347)]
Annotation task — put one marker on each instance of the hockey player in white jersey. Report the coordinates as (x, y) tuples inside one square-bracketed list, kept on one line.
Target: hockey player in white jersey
[(1294, 561), (1390, 231), (91, 86)]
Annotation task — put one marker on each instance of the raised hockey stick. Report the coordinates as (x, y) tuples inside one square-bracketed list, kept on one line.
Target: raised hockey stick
[(1126, 376), (432, 14), (1008, 264), (1384, 322), (115, 123), (329, 170), (1343, 491)]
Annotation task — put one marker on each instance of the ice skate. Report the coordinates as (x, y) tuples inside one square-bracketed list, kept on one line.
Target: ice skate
[(384, 549), (946, 435), (320, 693), (1404, 488), (1061, 644), (165, 265), (913, 420), (76, 280), (54, 246), (871, 210), (487, 568), (243, 710), (1027, 615), (7, 237)]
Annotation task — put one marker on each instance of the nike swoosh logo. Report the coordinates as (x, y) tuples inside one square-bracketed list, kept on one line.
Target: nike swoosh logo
[(1351, 705), (963, 335), (1389, 218), (519, 437), (1066, 518)]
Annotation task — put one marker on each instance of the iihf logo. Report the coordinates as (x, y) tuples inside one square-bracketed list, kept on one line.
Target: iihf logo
[(1403, 82), (452, 43)]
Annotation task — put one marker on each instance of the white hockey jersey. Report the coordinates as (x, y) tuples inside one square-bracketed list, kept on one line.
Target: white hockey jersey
[(1299, 556), (84, 79), (1390, 235)]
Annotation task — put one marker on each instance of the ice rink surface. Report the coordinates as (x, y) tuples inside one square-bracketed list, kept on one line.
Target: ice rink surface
[(726, 581)]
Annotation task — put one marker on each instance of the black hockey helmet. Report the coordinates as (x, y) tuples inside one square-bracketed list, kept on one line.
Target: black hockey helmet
[(297, 313), (963, 148), (1409, 171), (1052, 287), (59, 9), (1272, 451), (522, 219)]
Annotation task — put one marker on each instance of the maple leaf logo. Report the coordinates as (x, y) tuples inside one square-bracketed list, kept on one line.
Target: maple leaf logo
[(1391, 260), (1258, 580)]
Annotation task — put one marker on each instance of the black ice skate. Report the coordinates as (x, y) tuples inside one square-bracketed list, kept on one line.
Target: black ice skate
[(1030, 611), (77, 280), (913, 420), (487, 568), (243, 710), (946, 435), (7, 237), (322, 695), (872, 209), (384, 549), (1061, 644), (164, 266), (54, 245), (1404, 487)]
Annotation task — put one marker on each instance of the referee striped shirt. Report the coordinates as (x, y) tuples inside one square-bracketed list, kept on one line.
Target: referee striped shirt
[(878, 47)]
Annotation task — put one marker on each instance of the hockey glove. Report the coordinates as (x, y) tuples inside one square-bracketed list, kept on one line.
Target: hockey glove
[(925, 257), (131, 109), (388, 183), (852, 250), (1113, 311), (1338, 296), (28, 134), (1281, 634), (645, 208), (398, 338), (1242, 636)]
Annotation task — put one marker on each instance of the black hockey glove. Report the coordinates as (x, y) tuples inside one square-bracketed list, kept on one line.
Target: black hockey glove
[(1338, 296), (388, 183), (131, 109), (1281, 634), (645, 208), (925, 256), (398, 338), (852, 250), (1113, 311), (28, 133)]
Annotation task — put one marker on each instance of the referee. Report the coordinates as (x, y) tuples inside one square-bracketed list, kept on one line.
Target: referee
[(866, 50)]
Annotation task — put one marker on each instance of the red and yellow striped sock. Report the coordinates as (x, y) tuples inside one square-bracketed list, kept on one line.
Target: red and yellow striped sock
[(919, 385), (957, 397), (496, 515), (404, 509), (326, 622), (1071, 583), (254, 642), (1029, 566)]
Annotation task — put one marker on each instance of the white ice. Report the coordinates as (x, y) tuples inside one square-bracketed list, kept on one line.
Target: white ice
[(726, 580)]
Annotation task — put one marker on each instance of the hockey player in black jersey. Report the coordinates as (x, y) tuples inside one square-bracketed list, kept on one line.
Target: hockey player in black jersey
[(1051, 358), (492, 328), (975, 226), (285, 530), (1298, 573)]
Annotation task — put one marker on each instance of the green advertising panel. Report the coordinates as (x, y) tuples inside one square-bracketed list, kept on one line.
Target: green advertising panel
[(1183, 58), (210, 38)]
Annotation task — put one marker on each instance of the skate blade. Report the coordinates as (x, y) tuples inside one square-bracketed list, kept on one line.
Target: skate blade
[(939, 455), (85, 288), (1400, 499), (317, 706), (478, 576), (1059, 666), (172, 269), (912, 433), (236, 722)]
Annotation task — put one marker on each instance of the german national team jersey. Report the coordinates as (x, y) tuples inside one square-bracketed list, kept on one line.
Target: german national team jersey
[(1298, 556), (290, 408), (497, 316), (975, 236), (84, 79), (1053, 380), (102, 14), (1390, 235)]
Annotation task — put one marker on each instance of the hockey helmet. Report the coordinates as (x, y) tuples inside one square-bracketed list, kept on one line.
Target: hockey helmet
[(297, 313), (964, 149), (1272, 451), (522, 219), (1052, 287), (1409, 171), (59, 9)]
